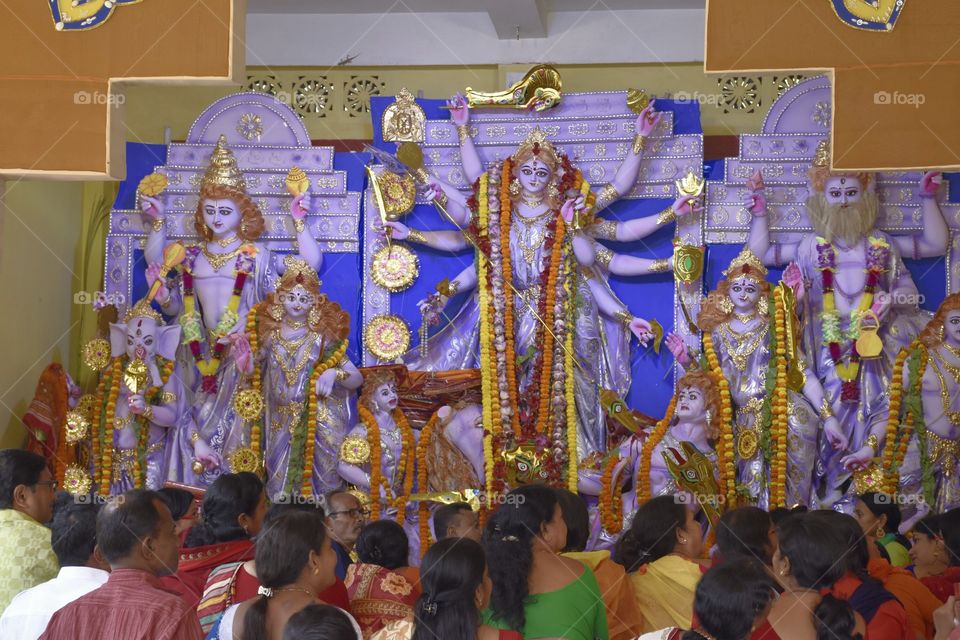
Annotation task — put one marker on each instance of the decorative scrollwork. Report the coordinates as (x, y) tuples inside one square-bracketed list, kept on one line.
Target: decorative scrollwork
[(264, 84), (311, 96), (740, 93), (358, 92), (783, 83)]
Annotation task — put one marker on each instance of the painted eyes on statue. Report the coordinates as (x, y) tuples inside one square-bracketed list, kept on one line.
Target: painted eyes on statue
[(543, 174), (689, 394), (748, 288), (223, 211), (290, 298), (148, 340), (850, 193)]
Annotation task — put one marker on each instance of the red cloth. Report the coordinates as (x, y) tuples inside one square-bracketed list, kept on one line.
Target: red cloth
[(197, 563), (379, 596), (890, 620), (765, 632), (509, 635), (335, 594), (131, 605), (942, 584)]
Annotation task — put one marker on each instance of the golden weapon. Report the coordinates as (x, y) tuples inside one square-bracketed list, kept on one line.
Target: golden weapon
[(694, 472), (135, 376), (173, 255), (795, 377), (469, 496), (540, 89), (618, 411)]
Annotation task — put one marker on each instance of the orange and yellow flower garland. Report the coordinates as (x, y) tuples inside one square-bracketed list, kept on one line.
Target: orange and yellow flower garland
[(490, 404), (724, 445), (643, 479), (373, 438), (611, 503), (423, 509), (573, 454), (144, 434), (95, 436), (779, 410), (306, 481), (253, 337), (106, 460), (894, 448), (506, 272), (406, 461), (408, 456)]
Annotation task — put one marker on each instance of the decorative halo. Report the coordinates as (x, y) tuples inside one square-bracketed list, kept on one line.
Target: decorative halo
[(747, 444), (87, 406), (76, 480), (395, 267), (355, 450), (244, 459), (387, 336), (399, 193), (248, 404), (153, 184), (76, 427), (96, 354)]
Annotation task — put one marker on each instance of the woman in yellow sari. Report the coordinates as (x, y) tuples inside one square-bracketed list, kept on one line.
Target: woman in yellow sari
[(659, 552)]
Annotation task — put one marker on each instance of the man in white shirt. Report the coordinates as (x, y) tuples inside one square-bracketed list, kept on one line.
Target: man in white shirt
[(82, 569)]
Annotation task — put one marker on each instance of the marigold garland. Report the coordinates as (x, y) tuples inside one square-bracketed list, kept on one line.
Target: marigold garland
[(724, 445), (893, 416), (490, 426), (306, 479), (143, 436), (253, 338), (106, 446), (404, 463), (778, 426), (405, 467), (643, 481), (611, 503), (95, 436), (423, 509), (573, 452), (506, 272)]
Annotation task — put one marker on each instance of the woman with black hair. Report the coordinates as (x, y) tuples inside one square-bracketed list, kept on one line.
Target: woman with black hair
[(624, 619), (731, 601), (931, 561), (808, 560), (747, 531), (295, 562), (879, 516), (659, 551), (382, 589), (233, 509), (537, 591), (184, 508), (320, 622)]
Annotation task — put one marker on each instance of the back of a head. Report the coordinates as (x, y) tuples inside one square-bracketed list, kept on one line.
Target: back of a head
[(384, 543), (284, 546), (445, 516), (816, 551), (856, 555), (745, 531), (319, 622), (577, 518), (883, 504), (74, 530), (450, 573), (178, 500), (950, 530), (229, 496), (731, 596), (652, 534), (508, 542), (278, 509), (125, 521), (834, 619), (18, 467)]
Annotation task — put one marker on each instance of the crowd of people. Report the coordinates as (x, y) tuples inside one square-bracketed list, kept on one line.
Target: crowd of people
[(154, 565)]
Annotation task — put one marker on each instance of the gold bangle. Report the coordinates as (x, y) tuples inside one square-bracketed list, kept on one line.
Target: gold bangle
[(873, 442), (638, 143), (604, 256), (195, 437), (148, 413), (463, 132), (415, 235), (299, 225), (624, 317), (606, 196), (826, 411), (666, 216), (604, 229), (660, 265), (157, 224), (342, 375)]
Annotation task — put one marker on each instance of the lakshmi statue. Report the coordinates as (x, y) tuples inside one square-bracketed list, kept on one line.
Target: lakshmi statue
[(740, 333), (307, 380), (378, 456), (857, 302), (928, 450), (141, 400), (223, 277), (546, 337)]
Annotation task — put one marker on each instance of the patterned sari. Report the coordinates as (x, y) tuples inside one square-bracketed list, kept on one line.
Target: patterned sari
[(379, 596)]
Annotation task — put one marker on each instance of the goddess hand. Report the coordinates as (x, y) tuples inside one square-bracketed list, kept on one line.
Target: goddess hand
[(929, 183), (642, 329), (648, 119), (152, 208), (678, 348), (152, 275), (459, 111), (395, 230), (136, 404), (240, 350), (325, 382), (838, 440), (858, 460), (571, 207), (297, 210), (755, 182), (793, 278), (685, 205), (432, 191), (756, 204), (206, 455), (430, 308)]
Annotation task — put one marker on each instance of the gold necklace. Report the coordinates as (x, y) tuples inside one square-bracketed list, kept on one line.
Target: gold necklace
[(529, 236), (530, 202), (226, 242), (953, 369), (293, 324), (217, 260), (744, 317), (291, 373), (952, 349), (952, 416), (291, 344), (751, 340)]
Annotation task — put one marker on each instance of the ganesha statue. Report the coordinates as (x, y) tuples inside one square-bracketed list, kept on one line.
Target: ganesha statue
[(857, 302), (223, 276), (141, 401)]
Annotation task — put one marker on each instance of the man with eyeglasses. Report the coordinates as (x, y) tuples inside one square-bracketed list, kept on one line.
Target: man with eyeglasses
[(345, 518), (27, 491)]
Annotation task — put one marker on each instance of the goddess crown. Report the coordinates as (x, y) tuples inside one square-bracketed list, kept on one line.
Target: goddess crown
[(746, 264), (536, 145), (299, 272), (223, 170), (142, 310)]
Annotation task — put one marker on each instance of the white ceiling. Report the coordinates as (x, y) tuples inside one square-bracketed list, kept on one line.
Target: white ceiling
[(455, 6)]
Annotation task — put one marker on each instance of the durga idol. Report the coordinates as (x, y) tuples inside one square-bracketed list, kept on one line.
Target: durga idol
[(857, 301), (223, 277)]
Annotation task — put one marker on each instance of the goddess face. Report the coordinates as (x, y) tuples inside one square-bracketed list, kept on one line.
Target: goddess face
[(534, 176), (744, 294), (385, 398), (842, 190), (296, 302), (141, 338), (951, 327), (222, 217), (691, 404)]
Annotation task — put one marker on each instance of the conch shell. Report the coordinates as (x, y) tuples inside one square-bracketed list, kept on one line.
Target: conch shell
[(297, 182)]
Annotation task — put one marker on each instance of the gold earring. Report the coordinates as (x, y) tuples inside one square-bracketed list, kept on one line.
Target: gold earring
[(726, 305), (552, 192), (940, 333), (313, 316), (207, 233), (709, 416), (763, 306), (276, 312), (515, 187), (243, 230), (880, 531)]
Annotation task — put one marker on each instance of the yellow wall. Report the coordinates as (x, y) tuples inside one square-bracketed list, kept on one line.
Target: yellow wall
[(39, 230)]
